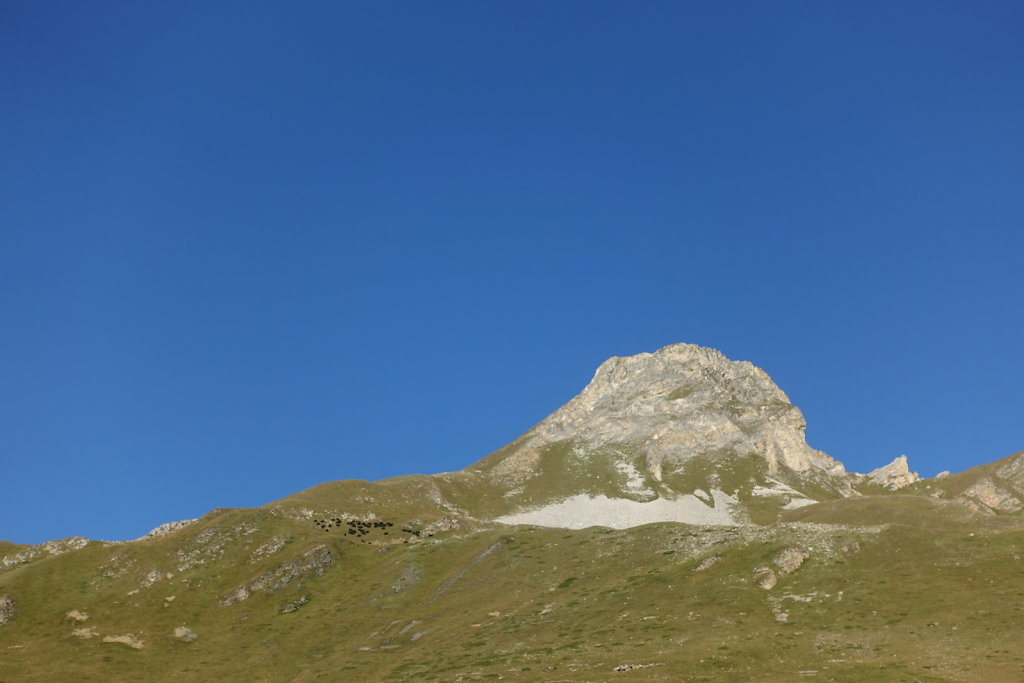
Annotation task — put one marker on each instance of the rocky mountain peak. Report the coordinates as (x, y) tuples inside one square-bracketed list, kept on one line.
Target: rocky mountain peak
[(658, 428), (683, 401)]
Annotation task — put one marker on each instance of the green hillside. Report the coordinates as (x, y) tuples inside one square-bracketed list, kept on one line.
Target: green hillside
[(680, 529), (902, 601)]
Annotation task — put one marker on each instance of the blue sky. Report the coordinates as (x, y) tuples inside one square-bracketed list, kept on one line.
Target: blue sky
[(246, 248)]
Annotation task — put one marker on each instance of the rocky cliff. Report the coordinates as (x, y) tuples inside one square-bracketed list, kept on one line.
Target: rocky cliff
[(681, 434)]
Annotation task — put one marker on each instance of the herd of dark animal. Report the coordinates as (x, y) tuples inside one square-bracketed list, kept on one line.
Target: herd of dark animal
[(358, 528)]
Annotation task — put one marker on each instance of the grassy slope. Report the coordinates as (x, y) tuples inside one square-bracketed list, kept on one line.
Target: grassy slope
[(885, 509), (528, 604), (955, 484)]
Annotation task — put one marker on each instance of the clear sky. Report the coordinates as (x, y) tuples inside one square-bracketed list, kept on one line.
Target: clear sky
[(248, 247)]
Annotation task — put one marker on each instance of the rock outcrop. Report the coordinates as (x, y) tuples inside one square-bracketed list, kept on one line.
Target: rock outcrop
[(895, 475), (312, 562), (6, 609), (168, 528), (986, 494), (1012, 469), (790, 559), (126, 639), (707, 563), (993, 489), (185, 634), (37, 552), (765, 577)]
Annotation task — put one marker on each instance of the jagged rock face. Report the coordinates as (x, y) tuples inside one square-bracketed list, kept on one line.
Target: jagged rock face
[(895, 475), (986, 495), (678, 403), (684, 400), (674, 435)]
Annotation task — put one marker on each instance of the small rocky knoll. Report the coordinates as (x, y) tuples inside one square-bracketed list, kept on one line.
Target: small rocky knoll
[(47, 549), (894, 476)]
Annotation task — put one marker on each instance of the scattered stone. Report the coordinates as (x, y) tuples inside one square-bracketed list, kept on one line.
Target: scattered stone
[(210, 544), (851, 547), (239, 594), (119, 565), (85, 633), (408, 577), (75, 615), (446, 523), (294, 605), (765, 577), (64, 545), (1013, 469), (790, 559), (185, 634), (49, 548), (707, 563), (23, 557), (6, 609), (169, 599), (313, 561), (152, 577), (780, 616), (269, 548), (126, 639), (631, 667)]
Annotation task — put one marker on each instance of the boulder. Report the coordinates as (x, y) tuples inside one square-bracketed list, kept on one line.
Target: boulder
[(790, 559), (765, 577), (185, 634)]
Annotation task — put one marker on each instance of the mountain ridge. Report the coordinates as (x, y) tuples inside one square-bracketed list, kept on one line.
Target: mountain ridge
[(668, 521)]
